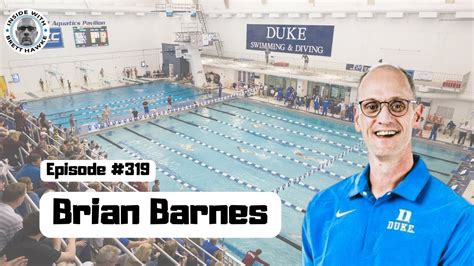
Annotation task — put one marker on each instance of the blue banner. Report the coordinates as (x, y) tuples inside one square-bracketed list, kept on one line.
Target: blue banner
[(55, 39), (294, 39)]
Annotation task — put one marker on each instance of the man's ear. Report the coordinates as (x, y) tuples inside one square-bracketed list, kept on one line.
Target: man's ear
[(356, 119), (418, 114)]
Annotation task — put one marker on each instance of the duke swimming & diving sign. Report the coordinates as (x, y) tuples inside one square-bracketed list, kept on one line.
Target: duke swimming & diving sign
[(295, 39)]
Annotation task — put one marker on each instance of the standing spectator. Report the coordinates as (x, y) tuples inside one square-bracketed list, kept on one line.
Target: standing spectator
[(61, 82), (267, 55), (316, 104), (85, 80), (253, 256), (135, 71), (12, 198), (463, 129), (31, 169), (170, 102), (307, 102), (220, 88), (69, 86), (72, 122), (41, 82), (325, 106), (146, 108), (342, 113), (306, 61), (42, 122), (135, 114), (11, 146), (450, 127), (156, 186), (106, 114), (101, 72), (20, 119), (27, 243), (434, 131)]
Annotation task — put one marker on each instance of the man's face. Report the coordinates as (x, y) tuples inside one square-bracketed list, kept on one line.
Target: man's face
[(385, 84), (26, 31)]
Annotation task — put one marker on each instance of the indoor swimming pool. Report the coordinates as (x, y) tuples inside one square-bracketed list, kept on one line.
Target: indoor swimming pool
[(242, 145), (87, 107)]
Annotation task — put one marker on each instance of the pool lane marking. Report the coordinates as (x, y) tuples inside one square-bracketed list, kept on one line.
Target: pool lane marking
[(219, 172), (320, 169), (297, 122), (160, 169), (246, 143), (184, 183), (120, 109), (340, 145), (235, 157), (115, 102), (281, 142)]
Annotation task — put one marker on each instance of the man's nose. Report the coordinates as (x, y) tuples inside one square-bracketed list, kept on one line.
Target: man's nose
[(384, 116)]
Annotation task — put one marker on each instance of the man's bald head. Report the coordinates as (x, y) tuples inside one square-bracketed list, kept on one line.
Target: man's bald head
[(394, 68)]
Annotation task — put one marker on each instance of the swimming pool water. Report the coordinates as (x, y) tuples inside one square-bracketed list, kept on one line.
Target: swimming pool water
[(87, 107), (262, 145)]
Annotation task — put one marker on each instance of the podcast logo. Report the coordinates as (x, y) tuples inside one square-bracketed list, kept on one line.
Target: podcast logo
[(26, 31)]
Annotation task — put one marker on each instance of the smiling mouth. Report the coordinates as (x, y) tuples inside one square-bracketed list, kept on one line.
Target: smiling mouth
[(386, 133)]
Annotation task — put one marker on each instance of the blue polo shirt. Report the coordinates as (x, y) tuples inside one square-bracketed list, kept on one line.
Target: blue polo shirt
[(420, 222)]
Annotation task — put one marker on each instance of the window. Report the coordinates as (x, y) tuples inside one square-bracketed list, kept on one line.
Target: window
[(445, 112)]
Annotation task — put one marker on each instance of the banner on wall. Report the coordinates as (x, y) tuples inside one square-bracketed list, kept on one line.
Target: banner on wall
[(3, 87), (294, 39), (55, 39)]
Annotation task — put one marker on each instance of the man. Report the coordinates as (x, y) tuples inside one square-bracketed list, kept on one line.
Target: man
[(169, 100), (393, 212), (31, 169), (306, 61), (253, 256), (27, 242), (267, 55), (26, 32), (20, 119), (210, 246), (107, 256), (10, 223), (463, 130), (69, 86)]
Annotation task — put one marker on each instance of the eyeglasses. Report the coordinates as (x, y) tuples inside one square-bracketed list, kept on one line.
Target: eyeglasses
[(29, 28), (397, 107)]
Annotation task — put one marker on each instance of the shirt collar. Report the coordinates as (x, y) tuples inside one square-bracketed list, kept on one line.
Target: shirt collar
[(409, 188)]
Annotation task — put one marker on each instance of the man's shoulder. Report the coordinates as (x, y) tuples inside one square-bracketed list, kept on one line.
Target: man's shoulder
[(439, 194)]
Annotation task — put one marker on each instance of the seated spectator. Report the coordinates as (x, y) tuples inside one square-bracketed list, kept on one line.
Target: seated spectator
[(169, 248), (26, 242), (23, 208), (11, 222), (31, 169), (20, 261), (219, 255), (210, 246), (142, 253), (134, 244), (3, 182), (107, 256)]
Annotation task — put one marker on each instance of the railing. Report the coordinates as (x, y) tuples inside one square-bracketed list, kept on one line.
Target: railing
[(33, 207)]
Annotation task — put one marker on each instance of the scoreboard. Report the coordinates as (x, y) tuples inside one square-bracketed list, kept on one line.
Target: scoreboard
[(91, 36)]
